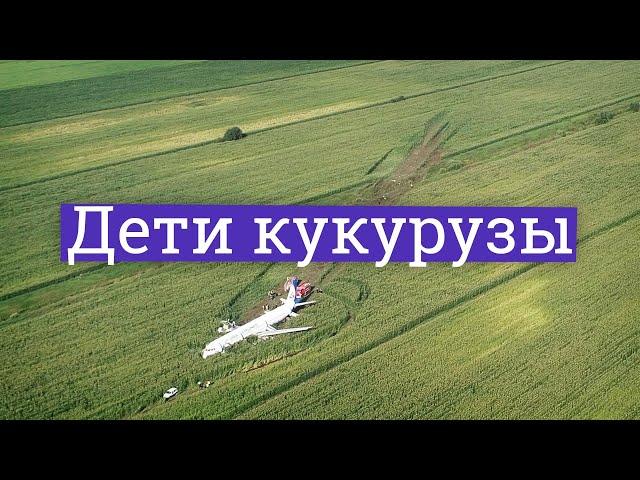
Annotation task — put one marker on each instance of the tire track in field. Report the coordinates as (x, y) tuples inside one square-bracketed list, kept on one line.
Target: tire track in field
[(330, 193), (189, 94), (377, 163), (230, 305), (528, 129), (407, 327), (204, 143)]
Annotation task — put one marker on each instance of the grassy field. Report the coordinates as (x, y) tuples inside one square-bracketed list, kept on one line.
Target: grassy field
[(127, 85), (482, 341), (43, 72)]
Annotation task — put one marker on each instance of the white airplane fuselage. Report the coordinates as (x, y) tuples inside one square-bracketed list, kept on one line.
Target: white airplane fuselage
[(257, 327)]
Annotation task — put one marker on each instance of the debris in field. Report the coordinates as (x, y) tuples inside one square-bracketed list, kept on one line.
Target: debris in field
[(424, 155), (226, 326)]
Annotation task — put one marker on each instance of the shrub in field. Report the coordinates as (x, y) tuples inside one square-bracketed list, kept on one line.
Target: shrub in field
[(635, 107), (234, 133), (604, 117)]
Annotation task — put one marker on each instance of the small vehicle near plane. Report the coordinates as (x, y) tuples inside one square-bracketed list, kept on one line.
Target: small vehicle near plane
[(172, 392)]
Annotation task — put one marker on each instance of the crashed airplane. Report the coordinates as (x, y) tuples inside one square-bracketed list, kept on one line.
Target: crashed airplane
[(263, 326)]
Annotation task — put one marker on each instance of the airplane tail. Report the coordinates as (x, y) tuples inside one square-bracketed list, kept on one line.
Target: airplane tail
[(297, 290), (291, 296)]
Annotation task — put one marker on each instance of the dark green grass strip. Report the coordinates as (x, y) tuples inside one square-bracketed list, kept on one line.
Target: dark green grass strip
[(187, 94), (233, 300), (607, 227), (267, 129), (110, 165), (404, 98), (325, 273), (377, 163), (541, 125), (53, 281), (467, 297), (330, 193)]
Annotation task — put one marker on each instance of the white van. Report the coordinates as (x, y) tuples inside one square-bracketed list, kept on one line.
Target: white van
[(172, 392)]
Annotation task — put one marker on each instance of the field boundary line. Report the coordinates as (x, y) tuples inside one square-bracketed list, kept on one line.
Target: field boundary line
[(377, 163), (52, 281), (188, 94), (266, 129), (467, 297), (539, 126), (403, 98), (94, 168), (334, 192)]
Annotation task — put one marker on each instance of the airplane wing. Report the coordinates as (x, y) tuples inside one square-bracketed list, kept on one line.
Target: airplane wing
[(273, 331), (304, 303)]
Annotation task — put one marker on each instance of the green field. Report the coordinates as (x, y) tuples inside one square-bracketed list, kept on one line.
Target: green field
[(480, 341)]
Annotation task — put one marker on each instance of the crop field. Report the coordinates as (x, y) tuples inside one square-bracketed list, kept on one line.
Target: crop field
[(480, 341)]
